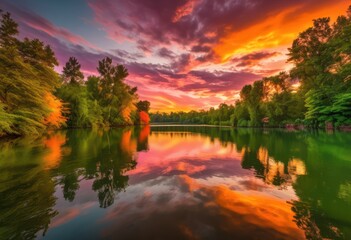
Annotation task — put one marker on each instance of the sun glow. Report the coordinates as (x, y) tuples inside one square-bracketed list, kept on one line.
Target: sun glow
[(275, 31)]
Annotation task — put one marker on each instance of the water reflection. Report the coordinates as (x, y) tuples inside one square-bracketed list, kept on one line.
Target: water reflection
[(27, 192), (177, 183)]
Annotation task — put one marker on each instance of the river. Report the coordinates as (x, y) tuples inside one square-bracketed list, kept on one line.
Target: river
[(176, 182)]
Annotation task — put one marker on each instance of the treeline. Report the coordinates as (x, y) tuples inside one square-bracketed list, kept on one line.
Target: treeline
[(315, 93), (33, 97), (219, 116)]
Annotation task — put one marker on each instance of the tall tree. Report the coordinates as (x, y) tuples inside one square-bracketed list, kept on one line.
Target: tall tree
[(252, 96), (117, 98), (27, 81), (8, 31), (71, 72)]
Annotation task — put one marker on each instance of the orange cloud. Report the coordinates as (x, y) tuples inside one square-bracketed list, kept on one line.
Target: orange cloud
[(275, 31), (184, 10)]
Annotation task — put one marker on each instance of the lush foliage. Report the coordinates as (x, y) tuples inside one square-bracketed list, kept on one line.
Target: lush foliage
[(33, 97), (27, 81), (104, 100), (321, 55)]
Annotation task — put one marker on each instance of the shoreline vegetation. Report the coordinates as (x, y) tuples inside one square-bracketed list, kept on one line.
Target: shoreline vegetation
[(34, 98), (288, 127), (315, 93)]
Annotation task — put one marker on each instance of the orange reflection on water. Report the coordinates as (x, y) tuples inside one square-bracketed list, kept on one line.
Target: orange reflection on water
[(264, 212), (207, 166), (184, 208), (275, 170), (128, 144), (177, 151), (144, 133), (54, 143)]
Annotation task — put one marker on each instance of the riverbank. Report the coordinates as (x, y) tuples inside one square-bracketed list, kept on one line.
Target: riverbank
[(287, 127), (48, 130)]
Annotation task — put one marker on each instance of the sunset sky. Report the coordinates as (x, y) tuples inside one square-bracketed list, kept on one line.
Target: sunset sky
[(181, 54)]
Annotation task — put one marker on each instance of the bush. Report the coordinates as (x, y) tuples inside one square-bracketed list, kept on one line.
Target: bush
[(225, 123), (243, 123)]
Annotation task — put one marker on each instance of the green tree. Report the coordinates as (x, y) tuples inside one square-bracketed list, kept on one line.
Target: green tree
[(322, 63), (93, 87), (76, 98), (8, 31), (117, 98), (71, 72), (252, 95), (27, 80)]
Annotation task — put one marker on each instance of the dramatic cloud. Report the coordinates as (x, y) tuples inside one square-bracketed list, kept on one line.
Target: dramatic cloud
[(165, 53), (201, 48), (208, 21), (220, 81), (181, 62), (181, 54), (253, 59)]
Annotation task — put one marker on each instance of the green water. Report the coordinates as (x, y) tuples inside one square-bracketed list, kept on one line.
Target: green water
[(176, 182)]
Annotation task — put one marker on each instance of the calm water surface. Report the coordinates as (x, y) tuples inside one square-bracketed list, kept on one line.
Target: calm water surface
[(177, 183)]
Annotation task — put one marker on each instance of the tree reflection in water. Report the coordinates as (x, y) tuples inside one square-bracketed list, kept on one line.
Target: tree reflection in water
[(27, 191), (104, 156), (30, 172), (314, 165)]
